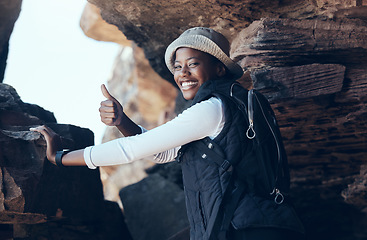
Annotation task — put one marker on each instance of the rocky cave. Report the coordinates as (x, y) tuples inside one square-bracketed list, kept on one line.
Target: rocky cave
[(308, 57)]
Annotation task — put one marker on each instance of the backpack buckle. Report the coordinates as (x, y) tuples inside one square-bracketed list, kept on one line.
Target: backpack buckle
[(226, 165)]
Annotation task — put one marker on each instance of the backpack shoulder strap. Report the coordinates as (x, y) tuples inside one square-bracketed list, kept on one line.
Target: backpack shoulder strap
[(207, 147), (278, 196), (217, 228)]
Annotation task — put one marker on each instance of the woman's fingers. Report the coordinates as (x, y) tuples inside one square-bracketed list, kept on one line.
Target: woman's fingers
[(45, 131), (40, 129), (107, 106), (107, 114), (107, 103), (108, 121)]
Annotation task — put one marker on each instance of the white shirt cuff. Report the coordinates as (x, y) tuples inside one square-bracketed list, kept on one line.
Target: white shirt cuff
[(88, 157)]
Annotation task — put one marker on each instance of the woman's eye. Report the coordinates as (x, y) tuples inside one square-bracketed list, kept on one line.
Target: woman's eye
[(176, 67), (194, 64)]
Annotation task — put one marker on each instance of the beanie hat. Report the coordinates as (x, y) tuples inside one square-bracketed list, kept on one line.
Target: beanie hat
[(206, 40)]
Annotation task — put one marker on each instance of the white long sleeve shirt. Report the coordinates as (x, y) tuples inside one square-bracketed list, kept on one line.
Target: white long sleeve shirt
[(197, 122)]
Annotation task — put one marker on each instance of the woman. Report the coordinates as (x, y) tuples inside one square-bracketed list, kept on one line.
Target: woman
[(199, 60)]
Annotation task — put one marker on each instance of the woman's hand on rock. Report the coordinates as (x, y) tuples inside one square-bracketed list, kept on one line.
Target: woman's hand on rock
[(53, 141)]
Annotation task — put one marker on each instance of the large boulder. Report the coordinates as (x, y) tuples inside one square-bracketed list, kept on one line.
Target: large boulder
[(35, 194), (9, 13)]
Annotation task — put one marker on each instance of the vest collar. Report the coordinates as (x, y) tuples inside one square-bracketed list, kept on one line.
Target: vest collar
[(206, 90)]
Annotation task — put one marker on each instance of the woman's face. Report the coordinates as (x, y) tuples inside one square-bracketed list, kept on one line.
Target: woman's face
[(192, 68)]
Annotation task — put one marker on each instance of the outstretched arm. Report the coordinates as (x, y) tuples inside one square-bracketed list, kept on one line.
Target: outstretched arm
[(112, 114), (187, 127)]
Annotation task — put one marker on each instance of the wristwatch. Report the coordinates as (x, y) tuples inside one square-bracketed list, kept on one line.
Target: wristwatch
[(58, 157)]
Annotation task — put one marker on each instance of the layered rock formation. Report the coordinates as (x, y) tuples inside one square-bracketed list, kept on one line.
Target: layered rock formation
[(154, 24), (35, 195)]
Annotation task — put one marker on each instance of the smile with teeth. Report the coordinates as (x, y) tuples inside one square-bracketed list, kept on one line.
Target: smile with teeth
[(188, 85)]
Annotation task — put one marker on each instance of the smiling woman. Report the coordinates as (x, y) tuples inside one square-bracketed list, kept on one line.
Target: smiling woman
[(50, 58), (213, 126)]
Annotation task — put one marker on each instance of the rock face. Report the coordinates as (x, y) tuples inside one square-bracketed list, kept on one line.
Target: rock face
[(95, 27), (160, 203), (286, 42), (154, 24), (9, 12)]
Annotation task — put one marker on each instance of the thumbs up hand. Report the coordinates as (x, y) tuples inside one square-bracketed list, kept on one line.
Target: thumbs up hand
[(111, 111)]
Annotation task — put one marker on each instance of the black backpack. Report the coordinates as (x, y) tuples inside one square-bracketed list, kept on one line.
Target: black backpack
[(271, 180)]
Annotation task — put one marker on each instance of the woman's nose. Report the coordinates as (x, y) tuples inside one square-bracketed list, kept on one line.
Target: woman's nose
[(184, 71)]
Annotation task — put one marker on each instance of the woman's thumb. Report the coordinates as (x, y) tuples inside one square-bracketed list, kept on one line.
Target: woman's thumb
[(106, 94)]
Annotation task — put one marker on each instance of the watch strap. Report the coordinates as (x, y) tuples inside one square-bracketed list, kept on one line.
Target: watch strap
[(58, 158)]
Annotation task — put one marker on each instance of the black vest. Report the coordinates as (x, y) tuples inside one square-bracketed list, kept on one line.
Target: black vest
[(205, 181)]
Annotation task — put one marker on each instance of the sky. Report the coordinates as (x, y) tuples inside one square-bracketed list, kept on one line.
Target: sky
[(52, 63)]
